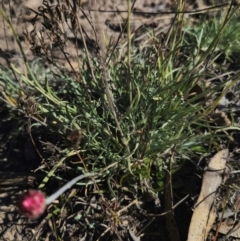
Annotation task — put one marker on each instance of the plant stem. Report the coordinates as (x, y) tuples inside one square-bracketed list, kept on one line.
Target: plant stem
[(68, 185)]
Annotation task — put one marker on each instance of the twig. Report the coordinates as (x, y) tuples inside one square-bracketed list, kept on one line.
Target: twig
[(134, 238), (107, 230), (168, 202), (36, 231), (142, 229), (128, 206), (164, 213)]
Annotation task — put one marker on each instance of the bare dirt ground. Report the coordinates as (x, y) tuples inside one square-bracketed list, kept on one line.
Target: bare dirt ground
[(16, 166), (111, 20)]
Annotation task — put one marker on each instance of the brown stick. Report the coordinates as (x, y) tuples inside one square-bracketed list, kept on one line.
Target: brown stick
[(205, 213)]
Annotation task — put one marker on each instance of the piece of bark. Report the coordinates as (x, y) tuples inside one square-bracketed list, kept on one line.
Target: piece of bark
[(205, 213)]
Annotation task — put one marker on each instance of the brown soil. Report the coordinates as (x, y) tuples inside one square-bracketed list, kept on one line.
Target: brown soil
[(111, 22)]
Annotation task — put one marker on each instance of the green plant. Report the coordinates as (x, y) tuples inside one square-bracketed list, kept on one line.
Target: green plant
[(203, 33), (132, 119)]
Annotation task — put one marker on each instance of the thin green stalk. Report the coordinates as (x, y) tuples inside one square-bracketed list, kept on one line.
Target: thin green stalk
[(129, 49)]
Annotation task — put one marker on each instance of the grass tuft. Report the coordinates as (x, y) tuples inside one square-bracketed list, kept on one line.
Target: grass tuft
[(129, 119)]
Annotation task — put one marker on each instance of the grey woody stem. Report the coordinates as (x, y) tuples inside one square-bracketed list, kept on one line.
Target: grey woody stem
[(68, 185)]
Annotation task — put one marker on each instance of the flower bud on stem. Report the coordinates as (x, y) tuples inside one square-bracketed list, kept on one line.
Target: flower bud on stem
[(33, 203)]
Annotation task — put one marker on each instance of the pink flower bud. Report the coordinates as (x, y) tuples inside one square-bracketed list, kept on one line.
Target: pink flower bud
[(32, 204)]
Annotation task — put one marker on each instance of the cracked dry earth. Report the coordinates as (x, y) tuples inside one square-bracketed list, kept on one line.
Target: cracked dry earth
[(16, 165)]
